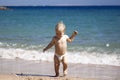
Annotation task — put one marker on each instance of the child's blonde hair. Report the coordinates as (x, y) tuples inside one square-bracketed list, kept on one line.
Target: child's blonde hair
[(60, 26)]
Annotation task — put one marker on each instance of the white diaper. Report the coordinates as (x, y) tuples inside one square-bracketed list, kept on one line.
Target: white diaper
[(60, 57)]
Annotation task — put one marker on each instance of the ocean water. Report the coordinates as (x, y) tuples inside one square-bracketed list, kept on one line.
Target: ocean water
[(25, 31)]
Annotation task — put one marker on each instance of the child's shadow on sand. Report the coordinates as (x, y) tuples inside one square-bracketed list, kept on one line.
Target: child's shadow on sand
[(22, 74)]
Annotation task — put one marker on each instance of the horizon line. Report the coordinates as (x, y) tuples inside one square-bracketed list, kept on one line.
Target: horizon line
[(58, 5)]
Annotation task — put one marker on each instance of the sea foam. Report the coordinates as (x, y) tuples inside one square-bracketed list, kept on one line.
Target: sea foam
[(73, 57)]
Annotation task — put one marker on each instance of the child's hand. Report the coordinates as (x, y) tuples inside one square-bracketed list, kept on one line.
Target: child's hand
[(75, 32), (44, 50)]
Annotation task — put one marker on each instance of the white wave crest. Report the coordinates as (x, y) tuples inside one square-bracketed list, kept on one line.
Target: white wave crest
[(73, 57)]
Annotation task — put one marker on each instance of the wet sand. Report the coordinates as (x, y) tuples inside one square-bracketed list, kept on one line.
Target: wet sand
[(36, 70)]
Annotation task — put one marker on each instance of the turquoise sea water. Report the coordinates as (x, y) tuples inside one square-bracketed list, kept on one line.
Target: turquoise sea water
[(25, 31)]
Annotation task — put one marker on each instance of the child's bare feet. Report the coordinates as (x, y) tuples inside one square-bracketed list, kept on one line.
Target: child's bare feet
[(57, 75), (64, 75)]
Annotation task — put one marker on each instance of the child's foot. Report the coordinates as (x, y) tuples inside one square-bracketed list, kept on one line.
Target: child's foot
[(64, 75), (57, 75)]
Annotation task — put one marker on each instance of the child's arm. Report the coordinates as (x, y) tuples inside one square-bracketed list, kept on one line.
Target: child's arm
[(49, 45), (72, 36)]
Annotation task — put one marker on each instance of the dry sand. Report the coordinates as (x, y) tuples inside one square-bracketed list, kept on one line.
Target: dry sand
[(36, 70), (15, 77)]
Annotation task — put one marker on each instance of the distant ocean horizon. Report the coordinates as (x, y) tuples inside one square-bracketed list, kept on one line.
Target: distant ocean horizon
[(66, 6), (26, 30), (61, 5)]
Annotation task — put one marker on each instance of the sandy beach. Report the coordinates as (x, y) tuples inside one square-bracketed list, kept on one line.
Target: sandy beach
[(36, 70), (26, 30)]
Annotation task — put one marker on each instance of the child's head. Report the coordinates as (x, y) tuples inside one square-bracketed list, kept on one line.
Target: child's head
[(60, 29)]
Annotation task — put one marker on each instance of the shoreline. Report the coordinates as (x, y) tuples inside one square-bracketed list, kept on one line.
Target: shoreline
[(44, 70)]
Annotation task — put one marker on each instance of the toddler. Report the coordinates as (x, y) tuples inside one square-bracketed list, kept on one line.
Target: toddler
[(60, 42)]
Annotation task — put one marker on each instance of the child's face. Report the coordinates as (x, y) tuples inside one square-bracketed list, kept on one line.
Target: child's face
[(60, 29), (59, 33)]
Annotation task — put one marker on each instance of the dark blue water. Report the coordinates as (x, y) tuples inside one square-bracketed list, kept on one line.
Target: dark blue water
[(32, 28)]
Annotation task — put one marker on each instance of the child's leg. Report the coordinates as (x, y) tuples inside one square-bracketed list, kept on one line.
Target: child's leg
[(56, 65), (64, 62)]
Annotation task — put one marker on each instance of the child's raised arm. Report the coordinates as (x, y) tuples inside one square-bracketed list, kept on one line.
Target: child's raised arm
[(72, 36)]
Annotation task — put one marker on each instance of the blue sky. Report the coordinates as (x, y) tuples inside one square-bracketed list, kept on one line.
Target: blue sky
[(58, 2)]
